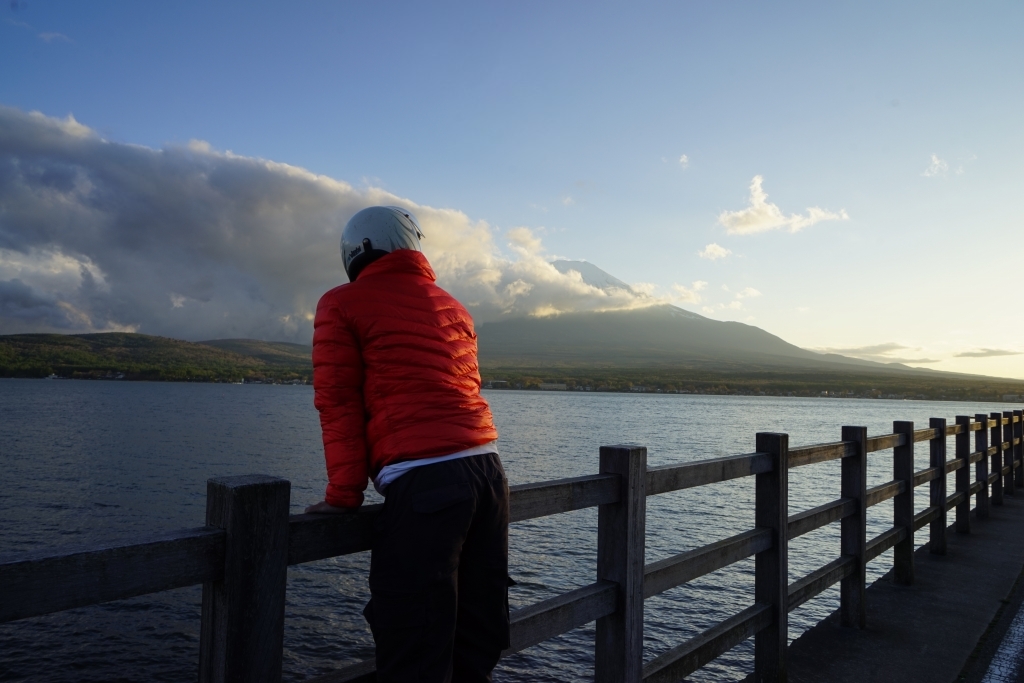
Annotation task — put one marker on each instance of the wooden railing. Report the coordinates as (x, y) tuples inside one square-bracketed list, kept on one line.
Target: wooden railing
[(242, 554)]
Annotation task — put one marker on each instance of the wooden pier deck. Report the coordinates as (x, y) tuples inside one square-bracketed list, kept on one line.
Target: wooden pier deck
[(936, 630)]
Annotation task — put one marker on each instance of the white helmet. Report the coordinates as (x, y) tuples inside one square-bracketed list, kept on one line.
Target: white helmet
[(374, 232)]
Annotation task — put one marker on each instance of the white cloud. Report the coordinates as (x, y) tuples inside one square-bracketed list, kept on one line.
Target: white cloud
[(761, 216), (689, 295), (880, 353), (684, 161), (51, 37), (986, 353), (937, 167), (568, 201), (98, 235), (713, 252), (747, 293)]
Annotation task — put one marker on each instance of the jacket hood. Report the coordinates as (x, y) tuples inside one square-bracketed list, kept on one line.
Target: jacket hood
[(400, 261)]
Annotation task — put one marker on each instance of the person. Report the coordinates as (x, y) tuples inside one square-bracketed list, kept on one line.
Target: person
[(397, 385)]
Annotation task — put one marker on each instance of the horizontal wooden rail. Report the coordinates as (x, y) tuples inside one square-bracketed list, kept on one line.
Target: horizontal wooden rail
[(954, 464), (817, 581), (926, 434), (926, 475), (882, 542), (975, 487), (809, 455), (815, 518), (45, 583), (884, 442), (925, 516), (954, 500), (883, 492), (561, 614), (676, 570), (668, 478), (684, 659), (528, 501)]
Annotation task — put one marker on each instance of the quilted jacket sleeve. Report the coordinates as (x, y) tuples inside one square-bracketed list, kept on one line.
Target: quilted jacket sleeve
[(338, 388)]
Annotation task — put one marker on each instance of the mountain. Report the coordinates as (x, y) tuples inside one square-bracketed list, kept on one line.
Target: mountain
[(655, 336), (591, 274)]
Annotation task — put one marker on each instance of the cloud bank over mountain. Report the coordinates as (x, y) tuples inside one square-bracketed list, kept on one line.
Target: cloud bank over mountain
[(190, 242)]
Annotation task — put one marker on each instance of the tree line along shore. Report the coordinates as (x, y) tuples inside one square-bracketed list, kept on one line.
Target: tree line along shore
[(129, 356)]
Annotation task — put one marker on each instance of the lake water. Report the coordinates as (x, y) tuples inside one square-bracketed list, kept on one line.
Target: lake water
[(88, 461)]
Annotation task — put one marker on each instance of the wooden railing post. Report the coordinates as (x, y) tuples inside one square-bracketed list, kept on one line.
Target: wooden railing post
[(903, 504), (981, 467), (242, 633), (963, 475), (1010, 454), (996, 437), (771, 567), (853, 534), (937, 489), (1018, 450), (619, 644)]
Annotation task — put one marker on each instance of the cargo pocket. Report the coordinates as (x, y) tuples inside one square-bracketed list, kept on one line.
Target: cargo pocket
[(441, 498)]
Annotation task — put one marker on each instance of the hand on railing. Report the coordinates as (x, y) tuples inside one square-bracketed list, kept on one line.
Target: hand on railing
[(323, 507)]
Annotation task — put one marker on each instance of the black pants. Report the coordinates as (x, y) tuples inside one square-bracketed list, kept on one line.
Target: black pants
[(439, 573)]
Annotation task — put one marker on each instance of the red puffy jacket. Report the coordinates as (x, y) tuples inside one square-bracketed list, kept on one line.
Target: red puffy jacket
[(395, 374)]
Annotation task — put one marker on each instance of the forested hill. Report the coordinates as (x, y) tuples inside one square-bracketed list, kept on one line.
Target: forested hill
[(521, 356), (118, 355)]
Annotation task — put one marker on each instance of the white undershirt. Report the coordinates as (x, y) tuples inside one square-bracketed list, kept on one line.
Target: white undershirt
[(389, 473)]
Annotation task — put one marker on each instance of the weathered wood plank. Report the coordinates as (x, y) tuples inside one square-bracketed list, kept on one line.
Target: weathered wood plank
[(561, 614), (771, 566), (667, 478), (1008, 457), (1018, 448), (885, 442), (883, 492), (822, 452), (996, 439), (955, 499), (316, 537), (963, 475), (927, 515), (56, 580), (883, 541), (529, 501), (976, 487), (954, 429), (853, 535), (686, 658), (619, 642), (926, 475), (954, 464), (903, 505), (815, 518), (925, 434), (817, 581), (937, 487), (674, 571), (241, 637)]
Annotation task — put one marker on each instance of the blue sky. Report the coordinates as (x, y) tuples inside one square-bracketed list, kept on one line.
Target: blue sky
[(571, 120)]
